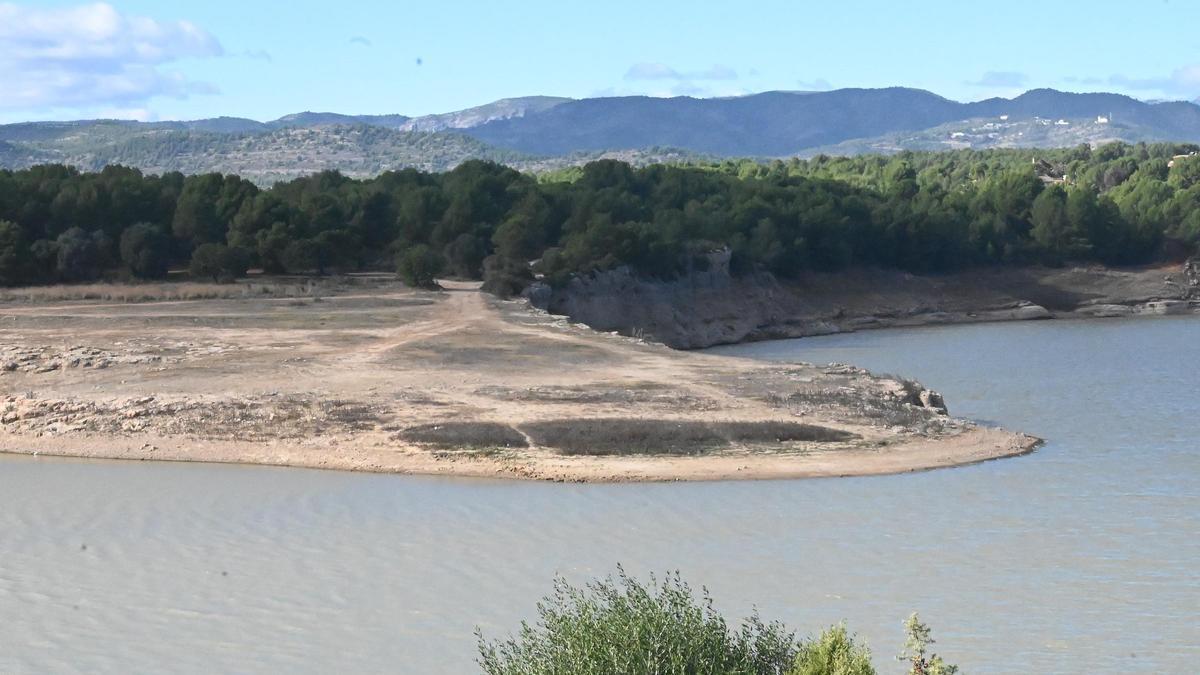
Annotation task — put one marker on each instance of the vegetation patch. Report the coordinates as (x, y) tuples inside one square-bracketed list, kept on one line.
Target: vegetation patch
[(465, 436), (621, 625), (621, 436), (780, 432)]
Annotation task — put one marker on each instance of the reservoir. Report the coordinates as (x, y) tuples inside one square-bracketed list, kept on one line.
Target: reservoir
[(1081, 557)]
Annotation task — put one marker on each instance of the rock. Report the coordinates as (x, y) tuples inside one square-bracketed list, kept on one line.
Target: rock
[(933, 400), (1165, 307), (1030, 312), (1106, 311)]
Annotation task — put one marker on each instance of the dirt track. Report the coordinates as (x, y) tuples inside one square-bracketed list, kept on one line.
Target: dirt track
[(380, 378)]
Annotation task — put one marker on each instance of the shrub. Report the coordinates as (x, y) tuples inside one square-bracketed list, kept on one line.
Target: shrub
[(505, 277), (833, 653), (622, 626), (418, 266)]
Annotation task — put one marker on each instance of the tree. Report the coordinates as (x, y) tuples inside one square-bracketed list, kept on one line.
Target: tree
[(916, 650), (464, 256), (146, 251), (219, 262), (418, 266), (14, 254), (301, 256), (79, 257), (1054, 218)]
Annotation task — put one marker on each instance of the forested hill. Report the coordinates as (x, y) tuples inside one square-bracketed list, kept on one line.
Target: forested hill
[(538, 132), (928, 212), (778, 124)]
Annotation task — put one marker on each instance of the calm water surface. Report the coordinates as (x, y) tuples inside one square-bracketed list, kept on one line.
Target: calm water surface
[(1083, 557)]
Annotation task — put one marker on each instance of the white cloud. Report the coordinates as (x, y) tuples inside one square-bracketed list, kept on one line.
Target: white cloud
[(1003, 78), (94, 56), (661, 71), (819, 84), (1182, 83)]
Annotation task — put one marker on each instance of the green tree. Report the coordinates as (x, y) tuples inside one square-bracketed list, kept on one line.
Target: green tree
[(464, 256), (418, 266), (219, 262), (79, 256), (14, 254), (916, 650), (146, 251)]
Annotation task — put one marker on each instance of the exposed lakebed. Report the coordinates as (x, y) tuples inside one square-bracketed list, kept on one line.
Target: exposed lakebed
[(1078, 558)]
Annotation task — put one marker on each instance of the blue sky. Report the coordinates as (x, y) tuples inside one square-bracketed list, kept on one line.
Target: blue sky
[(185, 60)]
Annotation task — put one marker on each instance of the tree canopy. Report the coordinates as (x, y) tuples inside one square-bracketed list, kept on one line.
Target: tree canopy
[(922, 212)]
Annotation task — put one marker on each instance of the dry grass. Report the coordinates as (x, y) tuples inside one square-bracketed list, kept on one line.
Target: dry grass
[(253, 287), (157, 292)]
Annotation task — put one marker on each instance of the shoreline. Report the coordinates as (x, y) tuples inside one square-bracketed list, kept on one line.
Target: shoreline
[(975, 446), (712, 308), (376, 377)]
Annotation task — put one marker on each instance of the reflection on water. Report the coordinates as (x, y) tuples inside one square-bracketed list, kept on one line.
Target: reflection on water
[(1078, 558)]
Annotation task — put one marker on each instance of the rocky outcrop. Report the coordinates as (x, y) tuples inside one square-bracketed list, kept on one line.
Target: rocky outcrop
[(704, 308), (710, 306)]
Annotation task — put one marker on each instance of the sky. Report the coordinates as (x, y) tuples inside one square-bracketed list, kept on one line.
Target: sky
[(137, 59)]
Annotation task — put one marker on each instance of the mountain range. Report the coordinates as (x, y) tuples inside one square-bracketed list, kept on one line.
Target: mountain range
[(543, 132)]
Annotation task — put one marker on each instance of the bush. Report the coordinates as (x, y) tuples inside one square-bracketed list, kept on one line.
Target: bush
[(145, 250), (219, 262), (418, 266), (505, 277), (621, 626), (833, 653)]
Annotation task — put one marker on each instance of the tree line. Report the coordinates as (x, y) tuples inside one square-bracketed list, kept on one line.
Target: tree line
[(923, 212)]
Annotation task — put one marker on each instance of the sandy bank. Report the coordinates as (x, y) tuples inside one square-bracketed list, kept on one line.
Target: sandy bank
[(375, 377)]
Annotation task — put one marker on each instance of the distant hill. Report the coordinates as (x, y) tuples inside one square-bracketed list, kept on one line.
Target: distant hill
[(543, 132), (505, 108), (776, 124)]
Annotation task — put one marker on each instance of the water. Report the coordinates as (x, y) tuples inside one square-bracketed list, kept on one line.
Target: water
[(1079, 558)]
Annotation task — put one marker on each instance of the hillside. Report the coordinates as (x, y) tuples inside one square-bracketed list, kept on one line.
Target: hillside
[(777, 124), (540, 132)]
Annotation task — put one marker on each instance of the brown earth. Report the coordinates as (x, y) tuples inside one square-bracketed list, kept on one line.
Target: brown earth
[(372, 376)]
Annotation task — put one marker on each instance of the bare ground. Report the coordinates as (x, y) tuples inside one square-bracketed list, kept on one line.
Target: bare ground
[(376, 377)]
